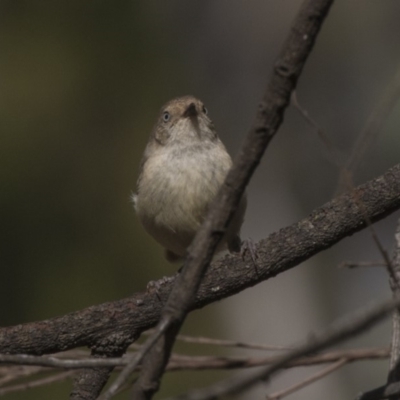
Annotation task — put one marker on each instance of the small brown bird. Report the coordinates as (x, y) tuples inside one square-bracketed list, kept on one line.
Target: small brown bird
[(183, 167)]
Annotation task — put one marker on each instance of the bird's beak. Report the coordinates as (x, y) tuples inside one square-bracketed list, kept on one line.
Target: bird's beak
[(190, 111)]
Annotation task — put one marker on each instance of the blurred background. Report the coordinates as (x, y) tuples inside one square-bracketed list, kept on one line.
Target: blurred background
[(81, 84)]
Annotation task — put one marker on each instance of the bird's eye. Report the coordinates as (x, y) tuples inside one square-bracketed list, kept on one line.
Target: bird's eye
[(166, 116), (205, 111)]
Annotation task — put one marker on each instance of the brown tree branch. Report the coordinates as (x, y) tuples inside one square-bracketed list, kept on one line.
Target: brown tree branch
[(111, 325), (311, 379), (116, 324)]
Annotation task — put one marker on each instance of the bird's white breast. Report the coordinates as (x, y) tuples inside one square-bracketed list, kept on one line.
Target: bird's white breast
[(176, 188)]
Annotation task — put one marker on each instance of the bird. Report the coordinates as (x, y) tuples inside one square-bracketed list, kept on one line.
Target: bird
[(183, 167)]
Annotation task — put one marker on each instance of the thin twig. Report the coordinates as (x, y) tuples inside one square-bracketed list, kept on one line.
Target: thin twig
[(373, 127), (335, 156), (311, 379), (53, 362), (12, 373), (385, 255), (363, 264), (351, 355), (38, 382), (227, 343), (179, 362), (335, 334)]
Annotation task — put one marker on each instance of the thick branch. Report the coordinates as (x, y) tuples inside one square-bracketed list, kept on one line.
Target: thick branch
[(113, 325)]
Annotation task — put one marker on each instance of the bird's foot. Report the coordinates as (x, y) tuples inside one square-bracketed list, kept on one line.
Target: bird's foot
[(249, 246)]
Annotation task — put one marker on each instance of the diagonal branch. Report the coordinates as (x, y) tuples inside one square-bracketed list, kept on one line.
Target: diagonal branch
[(373, 127), (269, 117), (311, 379), (118, 323)]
